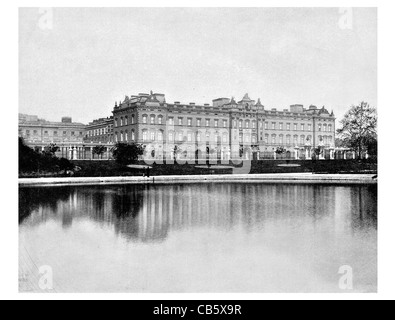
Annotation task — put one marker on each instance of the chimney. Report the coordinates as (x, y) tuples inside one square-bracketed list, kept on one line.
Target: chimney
[(67, 120)]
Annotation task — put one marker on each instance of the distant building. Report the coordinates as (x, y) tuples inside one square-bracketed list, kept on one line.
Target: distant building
[(227, 128), (100, 131), (67, 135)]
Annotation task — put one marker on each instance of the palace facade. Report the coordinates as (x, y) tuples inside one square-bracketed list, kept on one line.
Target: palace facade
[(226, 128), (100, 131), (69, 136)]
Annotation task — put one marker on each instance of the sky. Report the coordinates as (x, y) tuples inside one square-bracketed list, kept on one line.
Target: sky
[(78, 61)]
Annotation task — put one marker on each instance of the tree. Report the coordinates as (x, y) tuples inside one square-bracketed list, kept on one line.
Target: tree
[(281, 150), (28, 158), (359, 128), (318, 151), (99, 150), (31, 160), (125, 153), (51, 149)]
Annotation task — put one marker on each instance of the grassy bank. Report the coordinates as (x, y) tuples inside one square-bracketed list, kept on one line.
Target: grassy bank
[(111, 168)]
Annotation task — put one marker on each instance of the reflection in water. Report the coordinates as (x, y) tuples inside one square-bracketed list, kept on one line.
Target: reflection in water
[(284, 215)]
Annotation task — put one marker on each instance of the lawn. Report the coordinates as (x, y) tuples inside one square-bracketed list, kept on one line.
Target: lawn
[(111, 168)]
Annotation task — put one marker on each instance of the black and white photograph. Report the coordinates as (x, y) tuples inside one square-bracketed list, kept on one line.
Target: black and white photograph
[(197, 150)]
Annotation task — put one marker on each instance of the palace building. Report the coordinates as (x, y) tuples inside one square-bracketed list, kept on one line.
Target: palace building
[(226, 128), (100, 131), (70, 137)]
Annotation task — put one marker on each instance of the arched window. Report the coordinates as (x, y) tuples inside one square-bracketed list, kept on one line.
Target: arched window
[(145, 117), (121, 121), (171, 136), (325, 127), (254, 139), (247, 124), (126, 121), (274, 139), (152, 119), (126, 136), (133, 136), (296, 140), (266, 138), (240, 123), (160, 120), (199, 137), (320, 127), (152, 135), (116, 122), (217, 138), (132, 118), (224, 137), (254, 124), (302, 140), (121, 136), (281, 139), (116, 136), (288, 139), (160, 135), (145, 135)]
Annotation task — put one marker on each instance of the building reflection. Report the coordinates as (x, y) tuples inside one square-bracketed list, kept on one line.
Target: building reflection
[(150, 213)]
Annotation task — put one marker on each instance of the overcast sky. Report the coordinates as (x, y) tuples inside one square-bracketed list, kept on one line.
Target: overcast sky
[(83, 60)]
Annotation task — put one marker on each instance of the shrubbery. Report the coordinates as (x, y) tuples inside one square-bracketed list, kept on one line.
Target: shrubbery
[(31, 161), (127, 153)]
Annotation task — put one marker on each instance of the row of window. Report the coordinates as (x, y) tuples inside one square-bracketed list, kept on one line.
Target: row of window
[(158, 136), (98, 132), (180, 137), (55, 133), (123, 121), (297, 127), (180, 121), (297, 140), (123, 136)]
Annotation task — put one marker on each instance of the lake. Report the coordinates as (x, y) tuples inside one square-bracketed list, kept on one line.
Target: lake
[(198, 238)]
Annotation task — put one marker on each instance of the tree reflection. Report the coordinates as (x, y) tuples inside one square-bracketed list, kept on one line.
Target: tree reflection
[(150, 213)]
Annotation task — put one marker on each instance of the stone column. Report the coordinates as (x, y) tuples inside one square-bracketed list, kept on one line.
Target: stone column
[(275, 155), (322, 155), (75, 154), (345, 155), (332, 154), (296, 153), (308, 153)]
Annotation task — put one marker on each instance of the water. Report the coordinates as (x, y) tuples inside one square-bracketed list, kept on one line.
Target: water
[(198, 238)]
